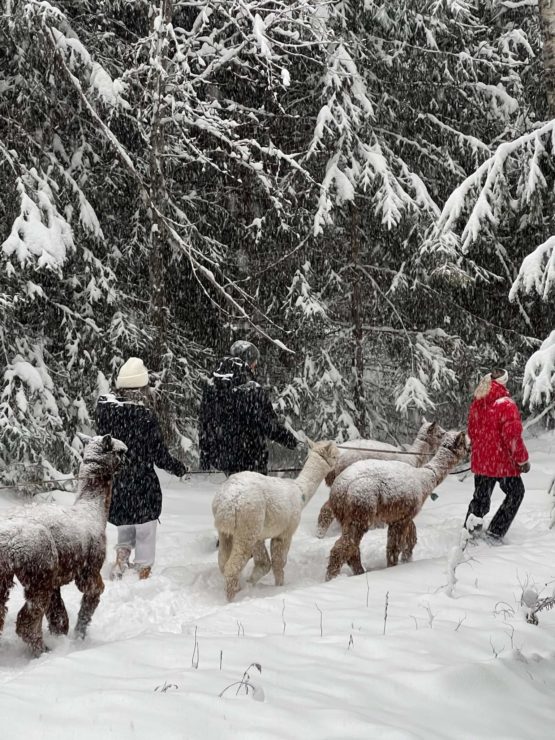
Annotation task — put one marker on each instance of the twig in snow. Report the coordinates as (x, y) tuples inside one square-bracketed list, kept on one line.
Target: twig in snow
[(221, 658), (495, 651), (385, 611), (166, 687), (196, 654), (367, 589), (240, 629), (457, 628), (321, 620), (247, 683), (503, 608), (457, 554), (431, 616)]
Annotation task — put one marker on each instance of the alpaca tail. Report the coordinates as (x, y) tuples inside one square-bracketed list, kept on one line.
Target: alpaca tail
[(330, 477)]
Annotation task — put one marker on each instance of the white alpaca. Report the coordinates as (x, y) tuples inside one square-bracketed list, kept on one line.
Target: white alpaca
[(250, 508), (420, 451)]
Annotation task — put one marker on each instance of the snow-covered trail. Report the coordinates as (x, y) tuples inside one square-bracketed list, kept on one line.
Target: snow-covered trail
[(462, 667)]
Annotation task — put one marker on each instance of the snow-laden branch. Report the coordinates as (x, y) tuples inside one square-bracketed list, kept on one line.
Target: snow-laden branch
[(537, 272), (197, 267), (539, 374)]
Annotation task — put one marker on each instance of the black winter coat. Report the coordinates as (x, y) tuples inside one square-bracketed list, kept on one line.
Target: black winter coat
[(136, 493), (236, 418)]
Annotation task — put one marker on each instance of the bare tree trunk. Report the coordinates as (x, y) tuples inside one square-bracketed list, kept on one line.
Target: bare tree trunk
[(159, 351), (547, 17), (357, 319)]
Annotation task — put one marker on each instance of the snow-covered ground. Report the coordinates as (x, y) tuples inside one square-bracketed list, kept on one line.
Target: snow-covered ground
[(464, 667)]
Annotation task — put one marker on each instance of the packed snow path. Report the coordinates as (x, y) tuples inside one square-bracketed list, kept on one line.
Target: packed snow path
[(462, 667)]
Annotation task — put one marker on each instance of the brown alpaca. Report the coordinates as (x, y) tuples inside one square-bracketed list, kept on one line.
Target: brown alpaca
[(47, 546), (424, 446), (374, 493)]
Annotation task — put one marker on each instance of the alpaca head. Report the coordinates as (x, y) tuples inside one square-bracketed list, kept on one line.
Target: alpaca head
[(456, 443), (102, 456), (326, 450), (431, 433)]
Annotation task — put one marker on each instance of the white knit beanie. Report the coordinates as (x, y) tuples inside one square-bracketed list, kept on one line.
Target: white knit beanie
[(133, 374)]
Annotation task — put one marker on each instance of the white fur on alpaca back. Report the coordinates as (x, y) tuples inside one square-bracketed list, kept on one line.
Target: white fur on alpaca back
[(256, 502), (375, 451), (385, 484)]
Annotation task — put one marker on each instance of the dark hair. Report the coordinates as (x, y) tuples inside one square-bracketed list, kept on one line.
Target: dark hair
[(497, 373)]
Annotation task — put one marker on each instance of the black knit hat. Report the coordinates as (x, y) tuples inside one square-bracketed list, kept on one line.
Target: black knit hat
[(246, 351)]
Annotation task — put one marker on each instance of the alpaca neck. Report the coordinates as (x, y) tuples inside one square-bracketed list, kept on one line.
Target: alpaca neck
[(96, 491), (440, 465), (311, 476), (420, 450)]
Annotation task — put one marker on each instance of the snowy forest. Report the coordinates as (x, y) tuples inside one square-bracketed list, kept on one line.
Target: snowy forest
[(363, 188)]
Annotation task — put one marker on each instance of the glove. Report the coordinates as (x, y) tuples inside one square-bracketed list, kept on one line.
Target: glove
[(524, 467)]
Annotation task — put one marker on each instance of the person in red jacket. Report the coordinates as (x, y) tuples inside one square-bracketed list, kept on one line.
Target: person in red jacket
[(498, 452)]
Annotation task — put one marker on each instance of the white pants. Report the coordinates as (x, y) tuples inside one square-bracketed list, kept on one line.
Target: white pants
[(142, 538)]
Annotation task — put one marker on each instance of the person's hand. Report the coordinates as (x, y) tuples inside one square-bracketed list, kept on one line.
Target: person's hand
[(524, 467)]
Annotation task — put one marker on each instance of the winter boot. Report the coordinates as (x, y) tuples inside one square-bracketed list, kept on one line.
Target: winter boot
[(121, 564)]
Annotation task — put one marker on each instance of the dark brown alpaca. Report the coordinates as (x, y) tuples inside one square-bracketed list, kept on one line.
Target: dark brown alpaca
[(426, 442), (47, 546), (374, 493)]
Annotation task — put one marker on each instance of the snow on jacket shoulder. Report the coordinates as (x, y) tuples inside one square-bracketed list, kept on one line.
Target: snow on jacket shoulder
[(495, 430), (136, 492)]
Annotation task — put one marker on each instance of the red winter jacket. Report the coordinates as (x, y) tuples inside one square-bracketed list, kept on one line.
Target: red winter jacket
[(495, 430)]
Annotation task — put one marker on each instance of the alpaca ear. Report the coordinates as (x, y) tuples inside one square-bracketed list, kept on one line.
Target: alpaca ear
[(106, 443), (84, 438), (433, 426), (424, 420), (309, 442)]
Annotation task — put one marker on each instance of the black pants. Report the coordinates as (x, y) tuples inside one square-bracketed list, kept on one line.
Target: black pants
[(512, 487)]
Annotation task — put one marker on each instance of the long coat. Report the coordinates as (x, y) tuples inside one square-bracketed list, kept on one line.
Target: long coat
[(495, 430), (235, 420), (136, 493)]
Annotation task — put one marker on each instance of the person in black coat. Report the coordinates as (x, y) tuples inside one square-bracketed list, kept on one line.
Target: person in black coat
[(236, 416), (136, 494)]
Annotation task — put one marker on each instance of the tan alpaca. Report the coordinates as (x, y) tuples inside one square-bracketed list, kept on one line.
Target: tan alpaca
[(250, 508), (421, 450), (373, 493), (46, 546)]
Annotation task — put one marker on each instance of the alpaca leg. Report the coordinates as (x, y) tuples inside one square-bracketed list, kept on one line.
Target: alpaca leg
[(394, 542), (91, 586), (279, 547), (262, 563), (241, 553), (6, 582), (338, 556), (56, 614), (356, 533), (224, 549), (325, 518), (29, 619), (409, 541)]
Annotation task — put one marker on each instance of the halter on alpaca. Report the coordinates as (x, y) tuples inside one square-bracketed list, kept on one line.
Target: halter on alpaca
[(47, 546)]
